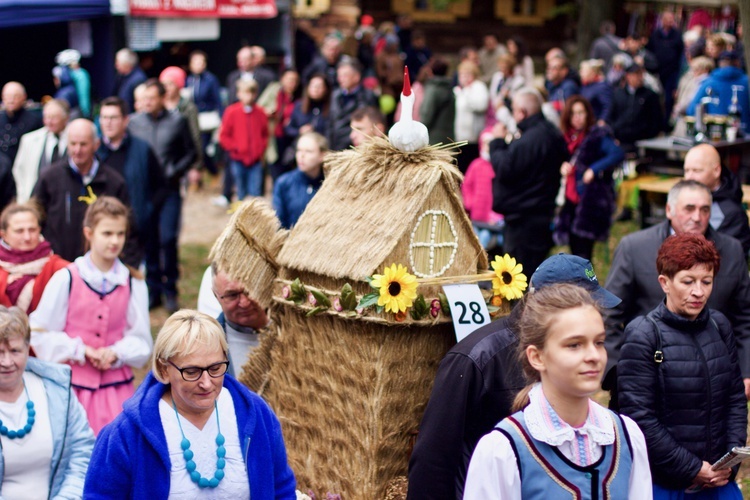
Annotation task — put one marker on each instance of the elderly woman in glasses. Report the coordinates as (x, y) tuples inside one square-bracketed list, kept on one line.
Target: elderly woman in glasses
[(191, 427)]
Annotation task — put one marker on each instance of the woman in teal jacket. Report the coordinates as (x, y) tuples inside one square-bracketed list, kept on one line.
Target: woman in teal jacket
[(45, 435)]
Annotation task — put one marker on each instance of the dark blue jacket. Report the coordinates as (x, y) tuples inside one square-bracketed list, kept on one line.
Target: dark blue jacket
[(14, 127), (415, 59), (635, 116), (126, 84), (561, 91), (668, 49), (315, 117), (142, 176), (691, 407), (728, 196), (131, 460), (599, 94), (291, 194), (205, 89), (720, 81), (475, 385), (527, 171), (592, 217)]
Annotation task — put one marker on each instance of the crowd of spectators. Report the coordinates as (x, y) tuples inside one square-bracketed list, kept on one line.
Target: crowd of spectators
[(522, 133)]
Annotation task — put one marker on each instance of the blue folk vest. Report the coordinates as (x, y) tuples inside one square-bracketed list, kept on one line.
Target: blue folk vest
[(547, 475)]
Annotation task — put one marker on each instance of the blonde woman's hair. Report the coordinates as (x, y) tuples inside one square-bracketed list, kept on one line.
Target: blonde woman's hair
[(540, 310), (321, 141), (469, 66), (702, 63), (595, 65), (14, 323), (507, 61), (247, 86), (184, 333)]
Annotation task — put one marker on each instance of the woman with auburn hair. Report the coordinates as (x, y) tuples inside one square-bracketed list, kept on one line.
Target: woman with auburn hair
[(586, 215), (679, 378)]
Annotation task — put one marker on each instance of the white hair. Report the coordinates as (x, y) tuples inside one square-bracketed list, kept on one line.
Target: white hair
[(127, 56), (529, 99)]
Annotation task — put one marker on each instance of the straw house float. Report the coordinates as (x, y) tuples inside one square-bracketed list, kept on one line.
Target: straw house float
[(350, 386), (254, 235)]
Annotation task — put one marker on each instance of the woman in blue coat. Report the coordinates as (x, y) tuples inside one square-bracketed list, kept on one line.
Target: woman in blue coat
[(311, 112), (586, 215), (190, 427)]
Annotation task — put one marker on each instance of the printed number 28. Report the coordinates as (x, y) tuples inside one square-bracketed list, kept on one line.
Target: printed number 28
[(476, 313)]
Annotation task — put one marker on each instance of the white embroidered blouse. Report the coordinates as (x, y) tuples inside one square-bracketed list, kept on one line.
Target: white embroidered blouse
[(493, 472), (51, 343)]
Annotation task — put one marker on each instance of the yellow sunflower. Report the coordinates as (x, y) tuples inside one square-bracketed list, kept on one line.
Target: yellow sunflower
[(398, 289), (510, 281)]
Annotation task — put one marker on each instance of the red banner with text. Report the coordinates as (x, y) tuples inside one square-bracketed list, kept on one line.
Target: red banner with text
[(257, 9)]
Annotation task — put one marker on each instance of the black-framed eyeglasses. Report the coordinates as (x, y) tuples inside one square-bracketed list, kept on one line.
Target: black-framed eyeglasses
[(194, 373), (230, 297)]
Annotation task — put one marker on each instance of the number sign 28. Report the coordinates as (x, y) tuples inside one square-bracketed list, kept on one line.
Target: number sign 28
[(468, 308), (474, 312)]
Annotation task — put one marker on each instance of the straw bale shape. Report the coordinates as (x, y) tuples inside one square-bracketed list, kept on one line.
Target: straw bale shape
[(254, 233), (257, 368), (349, 396), (350, 389)]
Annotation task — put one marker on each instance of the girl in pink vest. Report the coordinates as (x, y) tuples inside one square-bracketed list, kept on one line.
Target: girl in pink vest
[(94, 316)]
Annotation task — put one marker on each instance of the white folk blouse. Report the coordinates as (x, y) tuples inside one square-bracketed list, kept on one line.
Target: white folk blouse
[(493, 472)]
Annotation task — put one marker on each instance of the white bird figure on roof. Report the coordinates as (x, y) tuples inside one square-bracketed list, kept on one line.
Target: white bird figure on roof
[(408, 134)]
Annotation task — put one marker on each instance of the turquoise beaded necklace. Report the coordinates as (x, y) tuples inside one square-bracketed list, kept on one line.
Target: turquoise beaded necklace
[(221, 452), (30, 418)]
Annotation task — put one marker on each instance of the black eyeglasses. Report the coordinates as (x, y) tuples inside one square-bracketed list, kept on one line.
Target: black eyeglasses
[(230, 297), (194, 373)]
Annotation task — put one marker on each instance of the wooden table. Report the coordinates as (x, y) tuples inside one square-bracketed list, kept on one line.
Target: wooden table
[(650, 187), (730, 152), (683, 144)]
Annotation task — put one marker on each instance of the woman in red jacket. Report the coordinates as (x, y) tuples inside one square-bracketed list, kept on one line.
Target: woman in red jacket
[(26, 261), (244, 135)]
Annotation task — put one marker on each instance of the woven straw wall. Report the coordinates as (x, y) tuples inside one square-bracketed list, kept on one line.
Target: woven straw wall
[(348, 419)]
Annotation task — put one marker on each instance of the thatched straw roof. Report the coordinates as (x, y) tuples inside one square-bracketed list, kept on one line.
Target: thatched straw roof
[(366, 205), (247, 248)]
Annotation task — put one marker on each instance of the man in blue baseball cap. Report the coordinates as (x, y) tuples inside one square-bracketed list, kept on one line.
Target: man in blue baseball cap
[(475, 386)]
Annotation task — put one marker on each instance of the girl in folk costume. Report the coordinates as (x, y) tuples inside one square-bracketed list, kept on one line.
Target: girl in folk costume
[(26, 261), (560, 443), (94, 316)]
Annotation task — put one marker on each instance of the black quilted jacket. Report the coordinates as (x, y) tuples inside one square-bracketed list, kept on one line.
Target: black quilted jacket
[(691, 407)]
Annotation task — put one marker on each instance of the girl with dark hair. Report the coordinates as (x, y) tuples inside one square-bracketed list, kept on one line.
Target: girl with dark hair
[(524, 64), (310, 113), (586, 215), (559, 443)]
